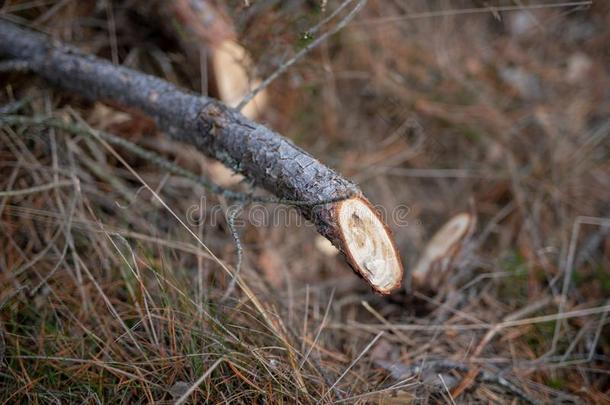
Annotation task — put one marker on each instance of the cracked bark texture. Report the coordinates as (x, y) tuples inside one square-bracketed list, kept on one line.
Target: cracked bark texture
[(253, 150)]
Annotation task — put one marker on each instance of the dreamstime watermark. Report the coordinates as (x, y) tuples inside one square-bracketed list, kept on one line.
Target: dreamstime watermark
[(271, 215)]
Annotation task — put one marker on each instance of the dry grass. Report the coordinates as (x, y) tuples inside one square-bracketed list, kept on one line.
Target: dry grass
[(106, 297)]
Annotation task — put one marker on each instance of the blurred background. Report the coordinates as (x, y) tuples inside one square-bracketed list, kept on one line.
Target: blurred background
[(496, 108)]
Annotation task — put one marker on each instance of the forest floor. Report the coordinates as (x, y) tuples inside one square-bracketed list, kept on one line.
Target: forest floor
[(431, 107)]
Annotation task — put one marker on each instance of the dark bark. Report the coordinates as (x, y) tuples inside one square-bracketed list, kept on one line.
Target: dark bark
[(261, 155)]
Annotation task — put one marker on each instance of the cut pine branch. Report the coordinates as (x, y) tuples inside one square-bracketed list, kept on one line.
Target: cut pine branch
[(261, 155), (441, 252), (204, 31)]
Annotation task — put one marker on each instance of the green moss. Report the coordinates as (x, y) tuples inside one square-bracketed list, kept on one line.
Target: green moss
[(514, 286), (305, 39), (470, 133), (602, 275), (557, 383), (598, 275)]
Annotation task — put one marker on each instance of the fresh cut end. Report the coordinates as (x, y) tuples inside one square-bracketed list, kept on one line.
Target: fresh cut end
[(368, 245), (442, 248), (232, 65)]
